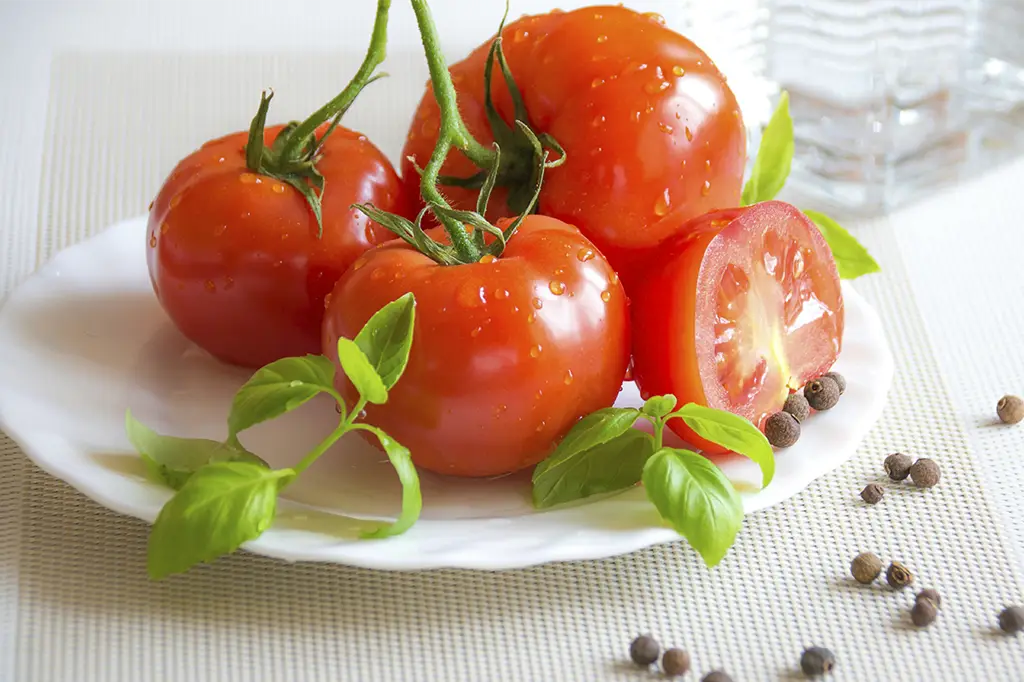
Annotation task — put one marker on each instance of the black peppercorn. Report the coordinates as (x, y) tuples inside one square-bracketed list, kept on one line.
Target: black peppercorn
[(1011, 620), (872, 493), (898, 576), (817, 661), (716, 676), (865, 568), (644, 650), (675, 662), (782, 430), (1010, 409), (925, 473), (797, 405), (897, 466), (839, 379), (822, 394), (931, 595), (924, 612)]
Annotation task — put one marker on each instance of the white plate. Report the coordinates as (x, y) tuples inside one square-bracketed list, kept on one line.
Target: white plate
[(85, 338)]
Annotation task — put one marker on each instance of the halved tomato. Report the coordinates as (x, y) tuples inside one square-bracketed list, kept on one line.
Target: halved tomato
[(744, 307)]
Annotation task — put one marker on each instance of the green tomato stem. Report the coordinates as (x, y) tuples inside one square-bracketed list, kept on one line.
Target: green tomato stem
[(659, 430), (343, 427), (375, 55)]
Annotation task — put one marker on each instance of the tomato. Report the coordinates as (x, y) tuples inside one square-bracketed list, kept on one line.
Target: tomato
[(647, 121), (235, 259), (740, 309), (507, 354)]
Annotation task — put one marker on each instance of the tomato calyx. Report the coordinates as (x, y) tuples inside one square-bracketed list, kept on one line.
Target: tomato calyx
[(468, 230), (521, 156), (293, 155)]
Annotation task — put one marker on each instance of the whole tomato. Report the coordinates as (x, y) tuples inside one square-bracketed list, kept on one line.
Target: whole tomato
[(507, 353), (647, 121), (235, 257), (740, 309)]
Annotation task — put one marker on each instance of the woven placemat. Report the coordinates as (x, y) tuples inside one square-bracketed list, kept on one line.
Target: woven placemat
[(75, 603)]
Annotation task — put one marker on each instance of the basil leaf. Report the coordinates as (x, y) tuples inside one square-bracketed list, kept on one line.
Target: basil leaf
[(731, 432), (696, 498), (386, 338), (361, 373), (610, 466), (277, 388), (412, 501), (594, 429), (173, 460), (774, 157), (659, 405), (852, 259), (218, 509)]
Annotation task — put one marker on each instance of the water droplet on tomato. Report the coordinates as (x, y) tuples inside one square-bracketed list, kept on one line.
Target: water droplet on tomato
[(606, 296), (540, 427), (654, 87), (658, 73), (629, 372), (707, 164), (150, 207), (598, 120), (584, 254), (655, 17), (501, 294), (598, 16), (706, 189), (230, 282), (798, 263), (538, 304), (568, 377), (175, 200), (476, 332), (559, 272), (614, 279), (597, 82), (556, 287), (531, 318), (247, 178), (540, 393), (164, 227), (678, 117), (520, 35), (535, 351), (700, 62), (689, 137), (633, 67), (595, 151), (278, 188), (152, 240), (220, 160), (471, 295), (665, 128), (360, 262), (602, 39), (662, 204), (210, 286), (678, 70), (377, 274)]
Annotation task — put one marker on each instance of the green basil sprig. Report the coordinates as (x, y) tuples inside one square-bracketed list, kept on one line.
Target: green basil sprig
[(227, 496), (604, 453), (768, 177)]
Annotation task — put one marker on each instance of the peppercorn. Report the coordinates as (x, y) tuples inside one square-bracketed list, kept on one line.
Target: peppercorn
[(898, 576), (675, 662), (644, 650), (897, 465), (872, 493), (924, 612), (839, 379), (797, 405), (865, 568), (1010, 409), (931, 595), (822, 393), (1011, 620), (716, 676), (817, 661), (782, 430), (925, 473)]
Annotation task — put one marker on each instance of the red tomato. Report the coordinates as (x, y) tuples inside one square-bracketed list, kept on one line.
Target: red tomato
[(740, 309), (507, 354), (234, 256), (647, 120)]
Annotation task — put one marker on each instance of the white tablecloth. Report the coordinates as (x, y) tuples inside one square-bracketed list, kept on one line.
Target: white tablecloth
[(99, 100)]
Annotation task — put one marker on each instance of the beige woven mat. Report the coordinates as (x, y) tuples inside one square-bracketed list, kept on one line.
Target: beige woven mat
[(75, 603)]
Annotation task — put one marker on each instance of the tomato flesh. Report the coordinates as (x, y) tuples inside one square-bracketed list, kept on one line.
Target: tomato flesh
[(743, 308)]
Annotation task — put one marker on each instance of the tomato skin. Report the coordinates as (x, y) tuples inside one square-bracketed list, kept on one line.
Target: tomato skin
[(506, 355), (642, 141), (679, 307), (234, 257)]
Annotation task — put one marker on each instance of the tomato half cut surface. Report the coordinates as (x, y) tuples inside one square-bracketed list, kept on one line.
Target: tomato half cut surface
[(740, 310)]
